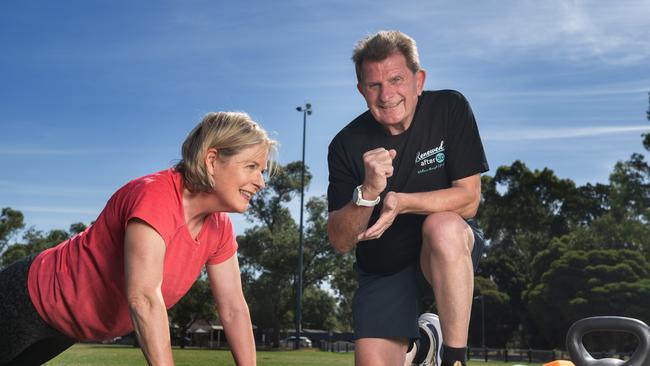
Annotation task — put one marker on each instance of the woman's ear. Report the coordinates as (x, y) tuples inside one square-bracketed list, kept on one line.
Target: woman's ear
[(211, 157)]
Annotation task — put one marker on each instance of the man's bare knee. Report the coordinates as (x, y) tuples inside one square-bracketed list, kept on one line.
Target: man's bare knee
[(446, 234)]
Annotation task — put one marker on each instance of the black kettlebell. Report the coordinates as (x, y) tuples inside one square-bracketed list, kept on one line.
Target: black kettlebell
[(581, 357)]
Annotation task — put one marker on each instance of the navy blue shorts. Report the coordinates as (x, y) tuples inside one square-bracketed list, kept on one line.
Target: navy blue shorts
[(388, 306)]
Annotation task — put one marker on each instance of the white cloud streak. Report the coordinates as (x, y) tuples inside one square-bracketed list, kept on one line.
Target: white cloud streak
[(49, 190), (25, 151), (60, 210), (559, 133), (611, 32)]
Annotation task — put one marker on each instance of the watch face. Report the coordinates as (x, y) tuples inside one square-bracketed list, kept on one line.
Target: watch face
[(357, 197)]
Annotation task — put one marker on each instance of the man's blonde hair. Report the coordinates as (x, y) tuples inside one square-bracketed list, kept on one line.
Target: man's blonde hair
[(228, 133)]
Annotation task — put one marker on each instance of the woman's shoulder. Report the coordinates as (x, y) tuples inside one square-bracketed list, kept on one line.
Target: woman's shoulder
[(167, 180), (160, 190)]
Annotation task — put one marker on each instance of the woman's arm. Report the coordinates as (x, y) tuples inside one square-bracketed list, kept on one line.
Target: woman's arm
[(144, 252), (225, 282)]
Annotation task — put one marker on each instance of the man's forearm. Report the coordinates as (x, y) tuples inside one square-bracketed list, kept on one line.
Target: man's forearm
[(460, 200), (345, 225)]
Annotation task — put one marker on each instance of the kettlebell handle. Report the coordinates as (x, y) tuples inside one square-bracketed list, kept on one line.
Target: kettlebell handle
[(581, 357)]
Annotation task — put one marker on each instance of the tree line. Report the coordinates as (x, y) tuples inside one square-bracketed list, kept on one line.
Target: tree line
[(556, 253)]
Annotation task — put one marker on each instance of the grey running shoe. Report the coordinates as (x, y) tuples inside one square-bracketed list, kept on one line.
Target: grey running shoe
[(428, 353)]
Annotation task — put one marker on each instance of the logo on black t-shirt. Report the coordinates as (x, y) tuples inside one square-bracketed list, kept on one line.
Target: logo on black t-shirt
[(431, 159)]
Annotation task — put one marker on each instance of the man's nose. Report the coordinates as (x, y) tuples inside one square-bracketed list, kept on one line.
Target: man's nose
[(386, 92)]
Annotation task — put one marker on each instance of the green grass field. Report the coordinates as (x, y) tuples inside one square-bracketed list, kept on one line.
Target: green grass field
[(101, 355)]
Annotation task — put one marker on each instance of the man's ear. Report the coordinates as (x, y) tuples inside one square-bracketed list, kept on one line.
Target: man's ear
[(420, 77)]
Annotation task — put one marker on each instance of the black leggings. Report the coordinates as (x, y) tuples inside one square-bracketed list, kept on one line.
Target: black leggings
[(25, 339)]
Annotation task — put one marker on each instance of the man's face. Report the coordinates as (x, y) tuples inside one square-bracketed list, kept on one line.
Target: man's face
[(391, 91)]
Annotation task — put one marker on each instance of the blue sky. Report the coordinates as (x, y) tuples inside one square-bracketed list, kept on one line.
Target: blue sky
[(95, 93)]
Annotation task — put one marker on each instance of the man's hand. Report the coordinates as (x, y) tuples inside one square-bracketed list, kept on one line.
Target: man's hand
[(378, 164), (389, 211)]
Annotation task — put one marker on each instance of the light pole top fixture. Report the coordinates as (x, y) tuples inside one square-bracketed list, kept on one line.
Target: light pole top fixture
[(306, 108)]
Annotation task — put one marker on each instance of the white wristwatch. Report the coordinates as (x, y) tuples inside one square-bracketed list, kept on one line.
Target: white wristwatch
[(358, 200)]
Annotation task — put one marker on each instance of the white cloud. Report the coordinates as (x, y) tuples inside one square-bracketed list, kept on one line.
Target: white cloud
[(54, 151), (588, 91), (60, 210), (13, 188), (559, 133), (613, 32), (37, 151)]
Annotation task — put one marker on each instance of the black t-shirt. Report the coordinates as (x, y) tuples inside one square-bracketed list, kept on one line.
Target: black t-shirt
[(441, 145)]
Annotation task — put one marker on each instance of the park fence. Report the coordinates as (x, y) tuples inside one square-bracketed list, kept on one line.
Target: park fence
[(515, 355), (338, 346)]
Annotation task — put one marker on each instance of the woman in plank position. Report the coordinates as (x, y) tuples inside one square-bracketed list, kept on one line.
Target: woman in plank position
[(143, 253)]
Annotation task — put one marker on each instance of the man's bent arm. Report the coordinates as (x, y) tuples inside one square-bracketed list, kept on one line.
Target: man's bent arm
[(345, 224), (463, 198)]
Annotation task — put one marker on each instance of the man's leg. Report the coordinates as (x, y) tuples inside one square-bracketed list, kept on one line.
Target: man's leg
[(446, 263), (385, 312), (380, 351)]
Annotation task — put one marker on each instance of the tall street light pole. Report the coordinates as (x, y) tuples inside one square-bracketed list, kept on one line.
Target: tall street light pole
[(306, 110)]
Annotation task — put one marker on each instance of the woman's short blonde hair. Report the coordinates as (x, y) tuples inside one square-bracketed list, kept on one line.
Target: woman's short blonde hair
[(228, 133)]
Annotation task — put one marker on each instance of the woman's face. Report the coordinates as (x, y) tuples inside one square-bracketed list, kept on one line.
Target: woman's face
[(238, 177)]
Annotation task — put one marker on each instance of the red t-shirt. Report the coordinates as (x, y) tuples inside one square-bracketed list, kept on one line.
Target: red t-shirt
[(78, 287)]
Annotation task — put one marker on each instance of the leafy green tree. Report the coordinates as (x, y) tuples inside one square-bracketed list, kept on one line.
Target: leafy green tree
[(503, 278), (521, 212), (569, 284), (344, 284), (317, 309), (35, 241), (77, 227), (626, 224), (630, 189), (269, 251), (10, 222), (498, 314), (523, 209), (646, 137), (196, 304)]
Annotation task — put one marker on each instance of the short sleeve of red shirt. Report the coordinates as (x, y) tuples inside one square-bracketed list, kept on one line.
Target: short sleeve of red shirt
[(227, 244), (156, 202)]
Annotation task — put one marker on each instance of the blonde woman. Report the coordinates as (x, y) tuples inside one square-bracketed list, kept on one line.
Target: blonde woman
[(143, 253)]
